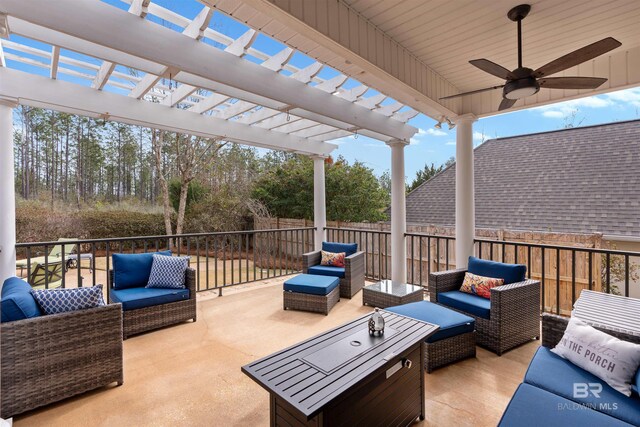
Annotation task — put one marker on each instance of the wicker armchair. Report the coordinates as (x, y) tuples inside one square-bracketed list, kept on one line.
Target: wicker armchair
[(49, 358), (158, 316), (353, 279), (514, 314)]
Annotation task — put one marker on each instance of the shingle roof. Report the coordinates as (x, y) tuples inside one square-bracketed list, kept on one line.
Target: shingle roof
[(579, 180)]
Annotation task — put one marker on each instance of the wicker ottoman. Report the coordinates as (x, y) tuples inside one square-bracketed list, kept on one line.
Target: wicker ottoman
[(454, 341), (310, 292)]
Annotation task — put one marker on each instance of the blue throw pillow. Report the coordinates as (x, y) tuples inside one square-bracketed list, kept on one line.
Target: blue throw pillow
[(348, 248), (17, 301), (511, 273), (168, 272), (132, 270), (55, 301)]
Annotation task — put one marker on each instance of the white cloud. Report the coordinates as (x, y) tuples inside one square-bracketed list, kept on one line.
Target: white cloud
[(450, 143), (554, 114), (629, 96), (374, 144), (343, 140), (434, 132), (479, 136), (609, 100)]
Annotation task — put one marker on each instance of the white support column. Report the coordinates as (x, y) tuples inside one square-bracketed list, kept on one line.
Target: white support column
[(319, 201), (398, 212), (7, 194), (465, 199)]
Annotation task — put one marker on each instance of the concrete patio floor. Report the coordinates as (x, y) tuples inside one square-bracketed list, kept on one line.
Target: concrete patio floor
[(189, 374)]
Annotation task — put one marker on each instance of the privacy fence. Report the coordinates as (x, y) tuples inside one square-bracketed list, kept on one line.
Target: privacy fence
[(564, 263)]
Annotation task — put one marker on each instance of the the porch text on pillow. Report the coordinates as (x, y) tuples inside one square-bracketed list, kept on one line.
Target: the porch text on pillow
[(613, 360)]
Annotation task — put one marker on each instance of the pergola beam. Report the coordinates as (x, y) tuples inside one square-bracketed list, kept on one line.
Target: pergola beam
[(195, 30), (102, 76), (43, 92), (151, 42), (55, 59), (139, 7), (183, 91)]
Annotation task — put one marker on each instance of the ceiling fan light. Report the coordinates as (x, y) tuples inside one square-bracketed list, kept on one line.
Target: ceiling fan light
[(521, 93), (521, 88)]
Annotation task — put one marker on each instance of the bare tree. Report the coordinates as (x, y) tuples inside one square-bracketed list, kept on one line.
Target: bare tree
[(157, 141), (190, 153)]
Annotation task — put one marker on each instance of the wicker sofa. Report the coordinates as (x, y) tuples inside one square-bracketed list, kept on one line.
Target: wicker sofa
[(52, 357), (510, 318), (150, 317), (351, 276), (547, 396)]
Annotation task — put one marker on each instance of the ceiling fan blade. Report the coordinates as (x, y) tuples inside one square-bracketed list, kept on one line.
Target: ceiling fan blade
[(506, 104), (578, 57), (571, 82), (472, 92), (492, 68)]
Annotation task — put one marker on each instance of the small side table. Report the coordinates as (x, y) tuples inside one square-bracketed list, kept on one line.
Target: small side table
[(387, 294)]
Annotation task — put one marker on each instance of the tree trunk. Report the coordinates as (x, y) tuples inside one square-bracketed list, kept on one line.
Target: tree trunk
[(157, 138), (66, 161), (184, 190)]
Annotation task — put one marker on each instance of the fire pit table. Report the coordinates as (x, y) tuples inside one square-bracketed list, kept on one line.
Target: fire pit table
[(346, 376)]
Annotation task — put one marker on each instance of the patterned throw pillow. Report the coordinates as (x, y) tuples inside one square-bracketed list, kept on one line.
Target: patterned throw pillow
[(54, 301), (168, 272), (333, 259), (479, 285)]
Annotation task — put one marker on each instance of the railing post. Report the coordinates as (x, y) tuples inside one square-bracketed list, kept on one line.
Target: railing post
[(7, 194)]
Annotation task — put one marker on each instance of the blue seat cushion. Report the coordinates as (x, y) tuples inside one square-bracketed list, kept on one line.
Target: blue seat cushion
[(468, 303), (533, 407), (451, 322), (551, 372), (311, 284), (17, 301), (347, 248), (326, 270), (133, 270), (511, 273), (134, 298)]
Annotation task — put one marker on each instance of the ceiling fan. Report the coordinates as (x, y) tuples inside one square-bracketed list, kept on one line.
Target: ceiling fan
[(523, 81)]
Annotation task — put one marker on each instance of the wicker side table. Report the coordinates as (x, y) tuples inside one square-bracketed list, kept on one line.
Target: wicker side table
[(387, 294)]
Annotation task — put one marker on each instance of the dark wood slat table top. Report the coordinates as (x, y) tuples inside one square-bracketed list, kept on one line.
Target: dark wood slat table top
[(292, 375), (613, 312)]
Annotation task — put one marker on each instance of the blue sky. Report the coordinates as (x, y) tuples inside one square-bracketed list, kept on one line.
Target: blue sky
[(438, 145), (430, 145)]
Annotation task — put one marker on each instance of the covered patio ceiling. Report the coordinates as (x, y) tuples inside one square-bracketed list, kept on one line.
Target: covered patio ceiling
[(264, 101), (417, 51)]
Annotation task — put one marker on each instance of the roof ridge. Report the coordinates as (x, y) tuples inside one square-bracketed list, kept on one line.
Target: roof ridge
[(563, 130)]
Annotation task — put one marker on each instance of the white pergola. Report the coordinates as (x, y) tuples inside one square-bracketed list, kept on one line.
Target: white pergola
[(192, 79)]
